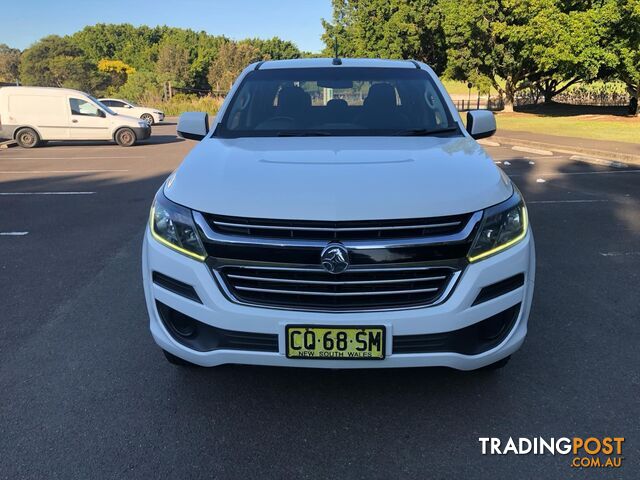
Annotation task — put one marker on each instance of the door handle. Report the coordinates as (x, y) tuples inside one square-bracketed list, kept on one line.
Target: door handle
[(74, 120)]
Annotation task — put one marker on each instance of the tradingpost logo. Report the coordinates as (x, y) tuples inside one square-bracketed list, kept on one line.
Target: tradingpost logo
[(589, 452)]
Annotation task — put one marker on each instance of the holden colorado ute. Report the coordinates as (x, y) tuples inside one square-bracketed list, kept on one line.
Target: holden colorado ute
[(337, 213)]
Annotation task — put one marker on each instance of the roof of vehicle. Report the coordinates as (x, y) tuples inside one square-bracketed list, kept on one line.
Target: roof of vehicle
[(42, 90), (328, 62), (111, 98)]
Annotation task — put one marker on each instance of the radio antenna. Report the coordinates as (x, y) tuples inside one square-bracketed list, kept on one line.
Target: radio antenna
[(336, 59)]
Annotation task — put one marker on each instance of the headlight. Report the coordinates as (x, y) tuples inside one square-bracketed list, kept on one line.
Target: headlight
[(172, 225), (143, 124), (502, 226)]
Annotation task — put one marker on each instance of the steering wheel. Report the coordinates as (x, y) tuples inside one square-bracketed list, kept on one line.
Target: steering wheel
[(276, 122), (281, 118)]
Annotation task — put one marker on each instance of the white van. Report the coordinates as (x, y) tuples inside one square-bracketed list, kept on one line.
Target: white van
[(34, 115)]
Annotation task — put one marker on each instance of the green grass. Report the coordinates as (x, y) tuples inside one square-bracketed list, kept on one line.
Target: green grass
[(456, 88), (183, 103), (619, 129)]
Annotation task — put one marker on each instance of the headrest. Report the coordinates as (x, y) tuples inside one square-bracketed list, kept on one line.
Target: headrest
[(293, 99), (337, 104), (381, 95)]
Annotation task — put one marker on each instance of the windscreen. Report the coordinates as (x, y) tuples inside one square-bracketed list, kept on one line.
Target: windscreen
[(101, 105), (336, 101)]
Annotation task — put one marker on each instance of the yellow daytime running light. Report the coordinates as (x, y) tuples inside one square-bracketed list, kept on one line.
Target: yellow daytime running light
[(166, 243), (504, 246)]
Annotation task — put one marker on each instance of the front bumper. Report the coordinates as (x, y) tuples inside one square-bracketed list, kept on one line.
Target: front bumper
[(142, 133), (454, 314)]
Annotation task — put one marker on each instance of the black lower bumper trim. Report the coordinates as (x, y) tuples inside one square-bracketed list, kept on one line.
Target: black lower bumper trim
[(204, 338), (175, 286), (142, 133), (472, 340), (499, 288)]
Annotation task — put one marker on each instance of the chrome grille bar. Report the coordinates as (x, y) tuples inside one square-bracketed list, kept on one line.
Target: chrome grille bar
[(335, 294), (330, 282), (354, 269), (337, 229), (237, 239)]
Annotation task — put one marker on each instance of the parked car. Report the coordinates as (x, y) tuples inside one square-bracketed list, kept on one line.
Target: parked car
[(149, 115), (338, 215), (34, 115)]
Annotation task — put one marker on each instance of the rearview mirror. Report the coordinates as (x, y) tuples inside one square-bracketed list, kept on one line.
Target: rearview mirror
[(481, 123), (193, 125), (335, 83)]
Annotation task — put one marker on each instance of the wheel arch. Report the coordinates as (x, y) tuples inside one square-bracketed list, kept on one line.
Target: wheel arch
[(14, 135)]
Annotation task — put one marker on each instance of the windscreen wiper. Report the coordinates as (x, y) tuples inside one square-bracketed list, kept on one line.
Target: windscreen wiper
[(309, 133), (422, 132)]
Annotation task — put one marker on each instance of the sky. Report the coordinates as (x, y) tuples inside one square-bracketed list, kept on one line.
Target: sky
[(295, 20)]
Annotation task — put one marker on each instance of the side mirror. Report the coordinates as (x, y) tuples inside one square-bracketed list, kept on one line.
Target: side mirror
[(127, 106), (101, 114), (481, 123), (193, 125)]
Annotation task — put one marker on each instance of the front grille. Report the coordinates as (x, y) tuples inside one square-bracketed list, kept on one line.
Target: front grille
[(349, 230), (357, 288), (392, 263)]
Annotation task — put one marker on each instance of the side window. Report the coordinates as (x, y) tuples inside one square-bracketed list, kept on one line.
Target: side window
[(117, 104), (108, 103), (82, 107)]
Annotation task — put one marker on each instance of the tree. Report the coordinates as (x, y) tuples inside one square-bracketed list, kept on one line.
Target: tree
[(139, 85), (117, 70), (232, 58), (56, 62), (206, 50), (136, 46), (624, 38), (406, 29), (497, 40), (9, 63), (570, 48), (275, 48), (173, 63)]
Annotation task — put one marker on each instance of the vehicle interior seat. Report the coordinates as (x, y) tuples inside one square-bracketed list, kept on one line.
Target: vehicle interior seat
[(293, 102), (380, 109), (336, 111)]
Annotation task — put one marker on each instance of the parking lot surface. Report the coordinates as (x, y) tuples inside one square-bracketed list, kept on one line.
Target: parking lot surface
[(85, 393)]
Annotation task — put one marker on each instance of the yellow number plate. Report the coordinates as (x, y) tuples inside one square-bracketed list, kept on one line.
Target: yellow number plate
[(335, 343)]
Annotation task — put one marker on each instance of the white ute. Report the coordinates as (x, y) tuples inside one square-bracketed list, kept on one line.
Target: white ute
[(338, 214), (34, 115)]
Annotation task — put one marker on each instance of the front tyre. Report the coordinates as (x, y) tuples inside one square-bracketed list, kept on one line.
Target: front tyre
[(173, 360), (497, 365), (147, 117), (27, 138), (125, 137)]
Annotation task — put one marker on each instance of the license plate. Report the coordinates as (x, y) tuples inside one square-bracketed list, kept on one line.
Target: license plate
[(335, 343)]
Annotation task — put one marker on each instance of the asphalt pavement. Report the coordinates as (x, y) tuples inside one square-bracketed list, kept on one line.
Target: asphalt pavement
[(86, 394)]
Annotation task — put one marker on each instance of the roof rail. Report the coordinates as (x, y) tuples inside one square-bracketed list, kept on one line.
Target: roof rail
[(415, 63), (258, 65)]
